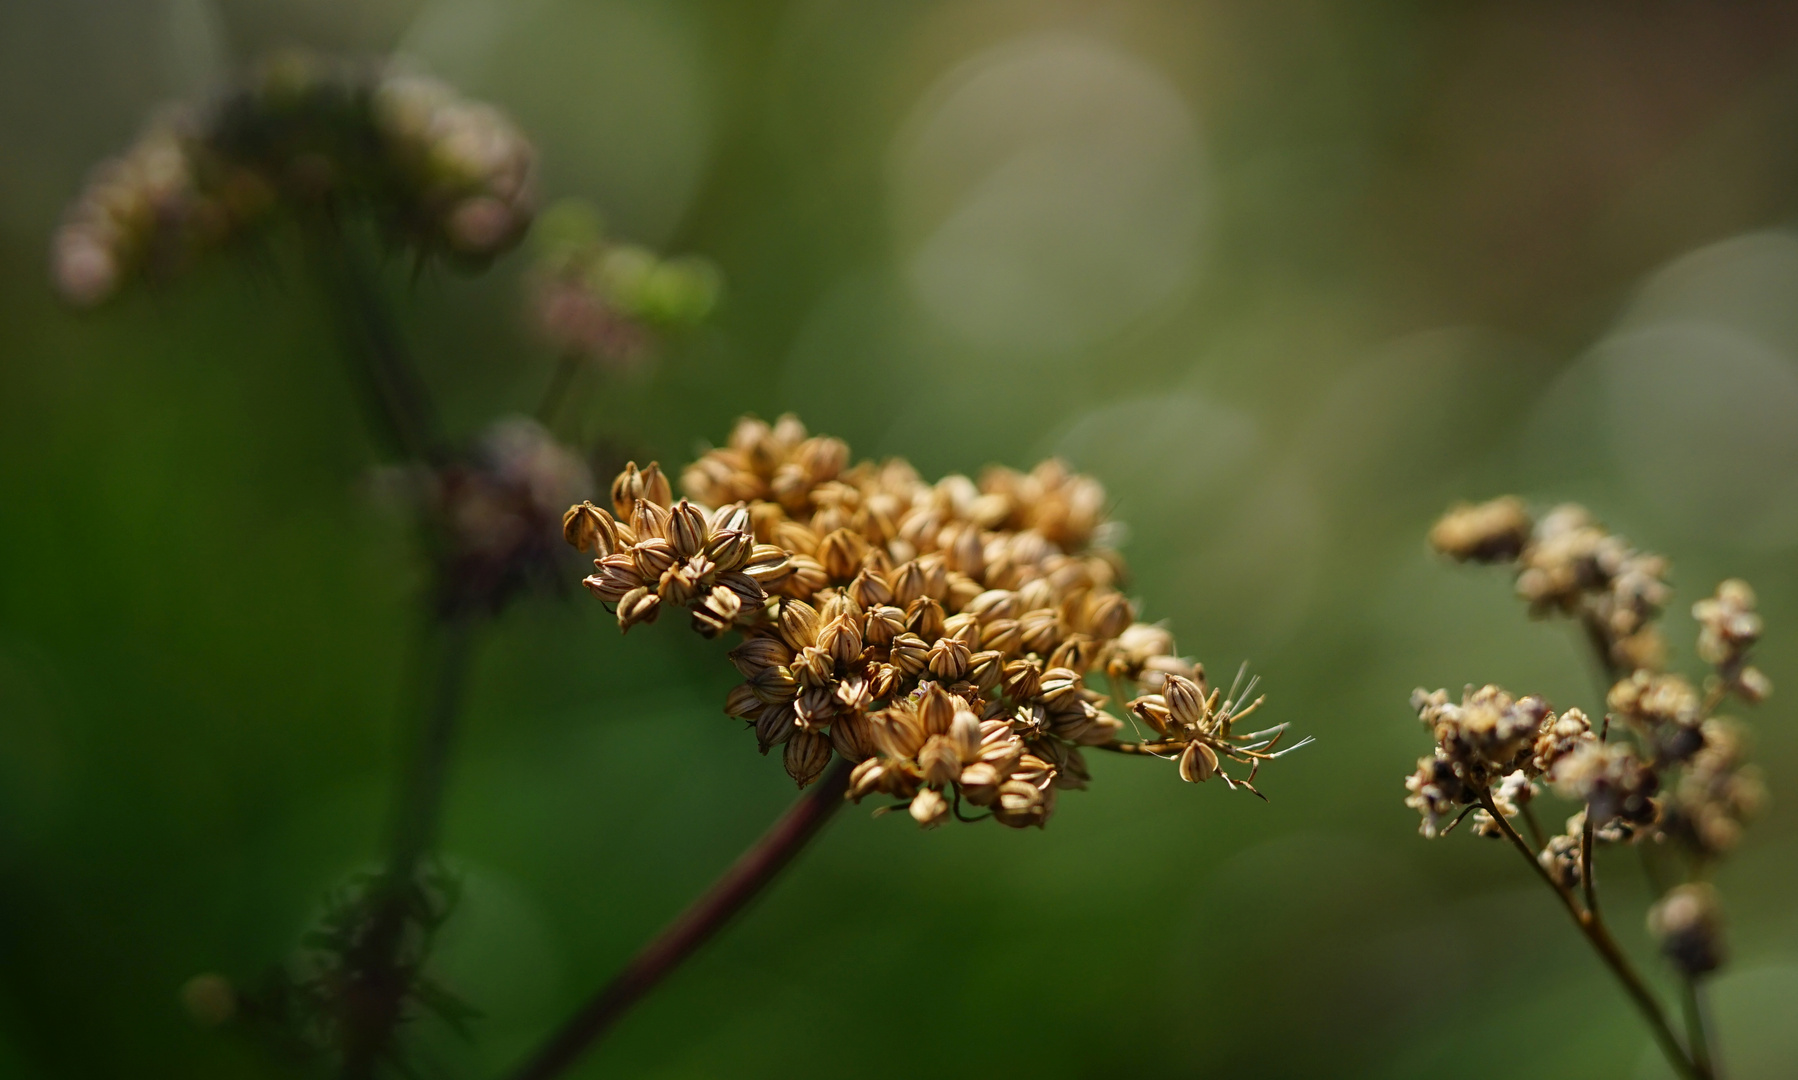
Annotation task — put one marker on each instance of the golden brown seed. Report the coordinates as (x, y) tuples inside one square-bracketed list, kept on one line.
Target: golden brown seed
[(841, 639), (687, 529), (758, 653), (948, 660), (798, 623), (743, 703), (637, 606), (936, 709), (925, 618), (841, 554), (929, 808), (807, 755), (939, 761), (909, 654), (1198, 763)]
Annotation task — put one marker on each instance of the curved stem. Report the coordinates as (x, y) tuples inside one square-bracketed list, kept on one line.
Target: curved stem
[(1599, 936), (730, 894)]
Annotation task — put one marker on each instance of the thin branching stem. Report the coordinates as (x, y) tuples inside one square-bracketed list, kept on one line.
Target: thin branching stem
[(1697, 1023), (753, 871), (1599, 936)]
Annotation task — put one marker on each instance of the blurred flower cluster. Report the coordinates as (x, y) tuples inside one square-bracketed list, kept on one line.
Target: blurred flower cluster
[(602, 300), (1663, 767), (943, 637), (439, 174)]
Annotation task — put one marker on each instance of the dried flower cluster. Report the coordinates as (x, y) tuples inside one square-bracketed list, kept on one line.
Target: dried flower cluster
[(941, 636), (1663, 767), (605, 301), (440, 174)]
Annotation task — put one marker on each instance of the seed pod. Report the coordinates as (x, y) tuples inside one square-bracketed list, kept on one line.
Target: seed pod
[(775, 725), (1107, 615), (870, 590), (907, 583), (936, 709), (1061, 689), (638, 606), (939, 761), (1019, 805), (798, 623), (775, 685), (743, 703), (687, 529), (929, 808), (1198, 763), (925, 618), (881, 625), (1185, 703), (985, 669), (653, 557), (909, 654), (1023, 680), (758, 653), (948, 660), (589, 528), (841, 554), (768, 564), (649, 520), (851, 738), (841, 639)]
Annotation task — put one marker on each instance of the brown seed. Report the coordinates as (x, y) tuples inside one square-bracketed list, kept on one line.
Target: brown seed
[(948, 660), (1198, 763), (841, 639), (909, 654), (798, 623), (936, 709), (758, 653), (807, 755), (929, 808), (939, 761), (743, 703), (774, 685), (775, 725), (925, 618), (841, 554), (638, 606)]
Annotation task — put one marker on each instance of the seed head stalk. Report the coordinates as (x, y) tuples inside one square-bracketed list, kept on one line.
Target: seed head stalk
[(753, 872)]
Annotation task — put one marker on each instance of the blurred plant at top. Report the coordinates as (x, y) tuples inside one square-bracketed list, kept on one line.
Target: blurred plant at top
[(601, 301), (337, 152), (1663, 771), (440, 175)]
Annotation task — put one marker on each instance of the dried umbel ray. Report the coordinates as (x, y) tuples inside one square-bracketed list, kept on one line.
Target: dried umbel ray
[(440, 174), (944, 637)]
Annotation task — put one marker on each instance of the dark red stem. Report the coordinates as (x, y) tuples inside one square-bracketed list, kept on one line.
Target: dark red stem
[(730, 894)]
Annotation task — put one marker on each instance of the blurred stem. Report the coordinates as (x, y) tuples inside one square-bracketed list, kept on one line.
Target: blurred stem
[(753, 871), (1697, 1026), (559, 384), (1599, 936), (381, 980), (381, 365)]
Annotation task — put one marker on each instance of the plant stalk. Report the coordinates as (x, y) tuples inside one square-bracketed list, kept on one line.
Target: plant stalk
[(381, 980), (753, 871), (1599, 936)]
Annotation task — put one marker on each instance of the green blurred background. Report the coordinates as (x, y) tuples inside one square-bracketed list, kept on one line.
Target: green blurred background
[(1287, 276)]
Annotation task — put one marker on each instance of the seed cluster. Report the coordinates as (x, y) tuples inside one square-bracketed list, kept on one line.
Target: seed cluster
[(944, 637), (1663, 766), (440, 174)]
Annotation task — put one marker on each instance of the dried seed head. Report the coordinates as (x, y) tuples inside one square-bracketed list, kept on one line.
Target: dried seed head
[(937, 634), (1494, 531)]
